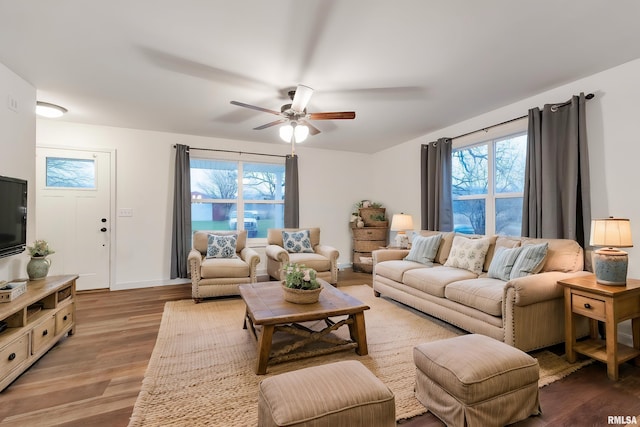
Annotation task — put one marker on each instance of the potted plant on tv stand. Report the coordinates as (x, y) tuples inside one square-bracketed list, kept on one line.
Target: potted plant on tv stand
[(300, 285), (38, 266)]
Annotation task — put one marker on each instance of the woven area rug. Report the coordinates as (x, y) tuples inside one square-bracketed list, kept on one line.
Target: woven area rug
[(201, 371)]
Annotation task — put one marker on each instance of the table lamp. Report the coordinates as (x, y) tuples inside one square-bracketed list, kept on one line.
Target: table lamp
[(401, 223), (610, 264)]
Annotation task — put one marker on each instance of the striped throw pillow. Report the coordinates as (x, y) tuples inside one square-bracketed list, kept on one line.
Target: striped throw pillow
[(530, 261), (502, 262), (424, 249)]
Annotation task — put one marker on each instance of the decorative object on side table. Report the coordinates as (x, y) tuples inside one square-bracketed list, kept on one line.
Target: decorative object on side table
[(401, 223), (38, 266), (300, 285), (610, 263)]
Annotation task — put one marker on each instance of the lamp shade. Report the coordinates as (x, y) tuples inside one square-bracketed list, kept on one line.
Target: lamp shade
[(401, 222), (611, 232)]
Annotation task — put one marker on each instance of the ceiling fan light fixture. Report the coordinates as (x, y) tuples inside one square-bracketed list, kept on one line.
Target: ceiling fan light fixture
[(301, 98), (301, 132), (52, 111), (286, 132)]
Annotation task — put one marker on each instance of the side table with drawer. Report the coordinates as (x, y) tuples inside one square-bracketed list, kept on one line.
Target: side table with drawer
[(583, 296)]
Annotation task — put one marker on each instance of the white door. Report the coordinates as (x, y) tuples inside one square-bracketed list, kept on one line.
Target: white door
[(73, 213)]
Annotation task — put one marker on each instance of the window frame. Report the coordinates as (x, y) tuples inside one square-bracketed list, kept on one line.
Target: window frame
[(241, 159), (490, 137)]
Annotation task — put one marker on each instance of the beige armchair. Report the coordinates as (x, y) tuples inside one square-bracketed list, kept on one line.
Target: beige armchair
[(212, 277), (324, 259)]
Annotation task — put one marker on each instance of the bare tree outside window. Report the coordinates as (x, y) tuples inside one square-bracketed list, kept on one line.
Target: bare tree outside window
[(487, 186), (237, 195)]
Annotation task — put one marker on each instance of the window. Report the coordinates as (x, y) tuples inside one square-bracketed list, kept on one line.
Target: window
[(237, 195), (70, 173), (488, 185)]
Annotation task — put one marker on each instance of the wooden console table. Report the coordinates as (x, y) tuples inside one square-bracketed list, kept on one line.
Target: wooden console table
[(36, 321), (609, 304)]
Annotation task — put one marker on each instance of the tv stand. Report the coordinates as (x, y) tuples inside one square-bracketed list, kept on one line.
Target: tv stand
[(36, 321)]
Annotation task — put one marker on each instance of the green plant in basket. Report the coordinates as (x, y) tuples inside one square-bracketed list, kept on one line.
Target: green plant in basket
[(40, 248), (297, 276)]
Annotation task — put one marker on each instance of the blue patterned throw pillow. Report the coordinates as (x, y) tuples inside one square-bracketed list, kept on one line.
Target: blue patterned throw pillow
[(297, 241), (219, 246)]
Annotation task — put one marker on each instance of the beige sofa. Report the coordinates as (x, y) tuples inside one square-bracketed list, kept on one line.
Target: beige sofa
[(323, 259), (525, 312)]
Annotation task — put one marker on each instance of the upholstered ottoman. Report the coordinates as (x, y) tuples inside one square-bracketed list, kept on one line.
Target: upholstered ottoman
[(474, 380), (337, 394)]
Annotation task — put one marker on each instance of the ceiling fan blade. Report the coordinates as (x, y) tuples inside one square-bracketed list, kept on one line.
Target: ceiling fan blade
[(253, 107), (332, 116), (277, 122), (312, 129), (301, 98)]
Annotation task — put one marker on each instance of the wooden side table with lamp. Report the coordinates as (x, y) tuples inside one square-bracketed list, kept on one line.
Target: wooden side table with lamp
[(608, 296)]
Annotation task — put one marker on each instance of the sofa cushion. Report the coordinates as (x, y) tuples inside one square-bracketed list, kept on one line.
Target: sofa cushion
[(501, 242), (213, 268), (222, 246), (564, 255), (502, 262), (530, 260), (434, 280), (424, 249), (395, 269), (311, 260), (484, 294), (297, 241), (468, 253), (445, 247)]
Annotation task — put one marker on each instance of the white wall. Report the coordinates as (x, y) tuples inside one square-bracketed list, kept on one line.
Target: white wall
[(614, 149), (330, 183), (17, 153)]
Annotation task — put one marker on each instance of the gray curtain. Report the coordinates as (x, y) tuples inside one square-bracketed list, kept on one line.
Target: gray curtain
[(181, 233), (291, 199), (437, 204), (557, 202)]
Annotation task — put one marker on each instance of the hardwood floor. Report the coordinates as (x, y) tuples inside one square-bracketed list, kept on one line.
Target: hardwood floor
[(93, 377)]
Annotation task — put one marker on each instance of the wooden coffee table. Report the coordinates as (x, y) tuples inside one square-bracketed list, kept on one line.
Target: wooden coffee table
[(267, 308)]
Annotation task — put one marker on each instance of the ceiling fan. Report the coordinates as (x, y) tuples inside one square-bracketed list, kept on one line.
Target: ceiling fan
[(296, 115)]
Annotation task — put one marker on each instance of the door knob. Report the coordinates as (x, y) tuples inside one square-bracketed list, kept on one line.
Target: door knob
[(104, 220), (103, 229)]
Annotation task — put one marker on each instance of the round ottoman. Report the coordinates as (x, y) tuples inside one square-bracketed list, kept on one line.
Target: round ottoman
[(475, 380)]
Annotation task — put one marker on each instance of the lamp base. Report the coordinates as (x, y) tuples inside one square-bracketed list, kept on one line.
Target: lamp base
[(610, 266), (402, 240)]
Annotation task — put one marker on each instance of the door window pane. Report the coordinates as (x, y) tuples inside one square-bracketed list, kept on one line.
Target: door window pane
[(70, 173)]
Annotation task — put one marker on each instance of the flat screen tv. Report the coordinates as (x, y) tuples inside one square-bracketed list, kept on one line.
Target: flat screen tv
[(13, 216)]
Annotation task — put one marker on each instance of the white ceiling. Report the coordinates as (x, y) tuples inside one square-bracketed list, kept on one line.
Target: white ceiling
[(407, 67)]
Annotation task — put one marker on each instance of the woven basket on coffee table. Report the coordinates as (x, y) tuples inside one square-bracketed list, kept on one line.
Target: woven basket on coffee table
[(301, 296)]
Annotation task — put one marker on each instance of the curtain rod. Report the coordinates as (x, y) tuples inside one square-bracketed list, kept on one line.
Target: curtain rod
[(553, 107), (235, 152)]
